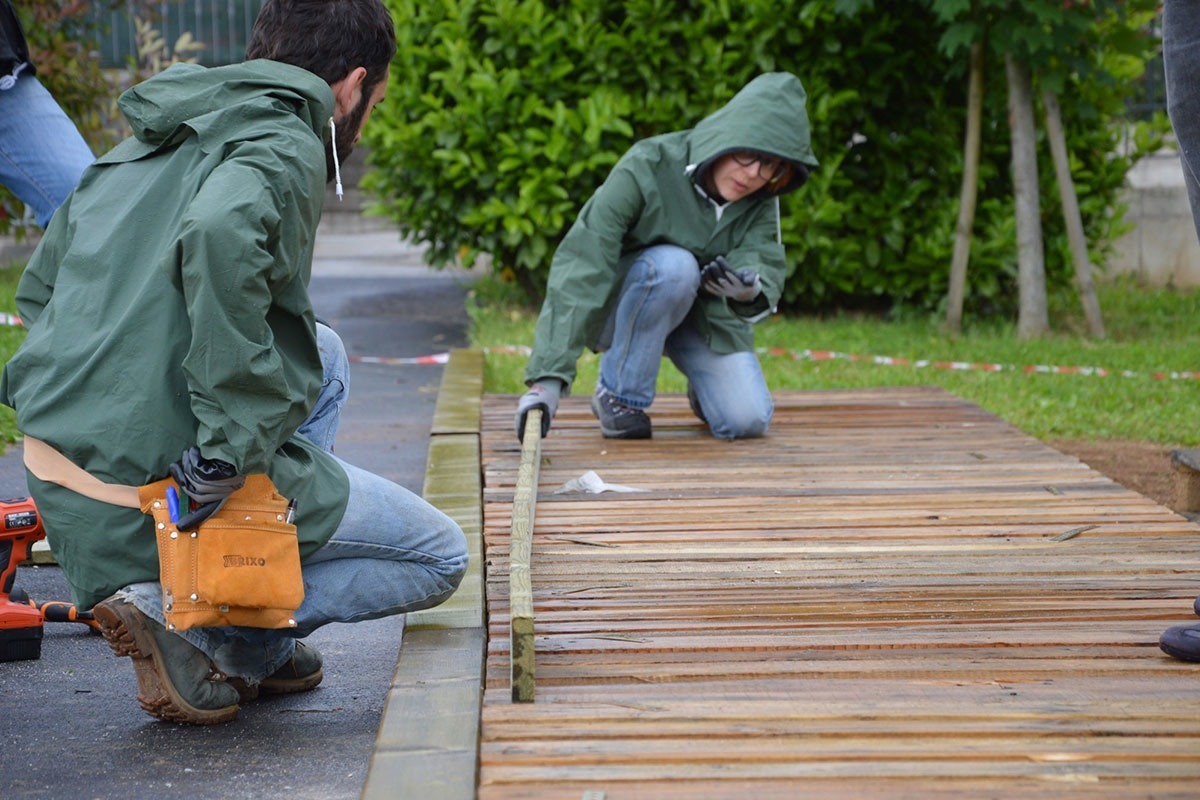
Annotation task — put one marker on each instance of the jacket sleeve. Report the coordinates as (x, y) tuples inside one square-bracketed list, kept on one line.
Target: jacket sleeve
[(761, 251), (36, 283), (584, 275), (229, 253)]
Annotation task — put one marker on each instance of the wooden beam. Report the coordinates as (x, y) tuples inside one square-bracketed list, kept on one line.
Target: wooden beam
[(428, 742), (1187, 480), (453, 485), (427, 747), (457, 409), (520, 586)]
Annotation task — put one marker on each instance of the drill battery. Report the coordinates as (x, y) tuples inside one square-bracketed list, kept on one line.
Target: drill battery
[(20, 623)]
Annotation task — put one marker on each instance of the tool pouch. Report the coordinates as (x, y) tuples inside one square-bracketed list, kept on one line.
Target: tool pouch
[(241, 566)]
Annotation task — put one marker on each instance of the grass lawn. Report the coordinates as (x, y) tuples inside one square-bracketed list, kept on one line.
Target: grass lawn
[(10, 339), (1149, 331)]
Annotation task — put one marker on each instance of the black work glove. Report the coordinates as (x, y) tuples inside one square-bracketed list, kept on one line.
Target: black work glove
[(544, 395), (208, 482), (720, 279)]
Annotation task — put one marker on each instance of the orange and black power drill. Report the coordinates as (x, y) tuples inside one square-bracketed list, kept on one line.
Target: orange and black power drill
[(20, 623)]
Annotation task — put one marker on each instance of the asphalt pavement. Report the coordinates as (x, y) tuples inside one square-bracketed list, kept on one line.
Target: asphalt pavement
[(72, 727)]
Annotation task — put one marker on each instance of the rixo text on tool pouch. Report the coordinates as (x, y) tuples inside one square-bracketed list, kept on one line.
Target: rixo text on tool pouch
[(241, 566)]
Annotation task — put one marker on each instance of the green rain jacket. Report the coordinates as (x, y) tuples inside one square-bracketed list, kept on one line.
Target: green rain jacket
[(653, 196), (167, 306)]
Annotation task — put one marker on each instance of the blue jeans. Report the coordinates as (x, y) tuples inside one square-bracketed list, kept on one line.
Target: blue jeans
[(651, 318), (367, 570), (1181, 64), (42, 154)]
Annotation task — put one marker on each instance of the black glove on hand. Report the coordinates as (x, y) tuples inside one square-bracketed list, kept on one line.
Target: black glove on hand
[(543, 395), (719, 279), (207, 482)]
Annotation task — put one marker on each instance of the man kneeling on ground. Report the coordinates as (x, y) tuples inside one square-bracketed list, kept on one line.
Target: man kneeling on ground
[(168, 313)]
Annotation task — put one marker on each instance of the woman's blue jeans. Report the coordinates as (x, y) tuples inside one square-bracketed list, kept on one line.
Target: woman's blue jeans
[(368, 569), (650, 320), (42, 154)]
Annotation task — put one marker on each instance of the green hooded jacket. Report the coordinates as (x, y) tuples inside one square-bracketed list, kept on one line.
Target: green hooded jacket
[(653, 196), (167, 306)]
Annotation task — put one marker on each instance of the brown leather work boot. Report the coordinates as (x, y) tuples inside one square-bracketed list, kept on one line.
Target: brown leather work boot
[(300, 673), (173, 676)]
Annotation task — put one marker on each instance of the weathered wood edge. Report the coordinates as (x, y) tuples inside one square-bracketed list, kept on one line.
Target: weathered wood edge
[(460, 394), (1186, 464), (520, 586), (454, 486), (427, 747)]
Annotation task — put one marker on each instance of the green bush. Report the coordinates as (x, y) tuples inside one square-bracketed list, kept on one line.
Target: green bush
[(502, 117)]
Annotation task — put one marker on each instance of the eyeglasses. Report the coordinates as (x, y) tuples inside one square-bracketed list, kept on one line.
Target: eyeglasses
[(769, 168)]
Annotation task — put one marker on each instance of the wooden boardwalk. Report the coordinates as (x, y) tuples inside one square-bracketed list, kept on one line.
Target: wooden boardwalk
[(895, 594)]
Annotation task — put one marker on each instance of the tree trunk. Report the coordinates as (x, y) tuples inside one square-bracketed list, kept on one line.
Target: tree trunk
[(1033, 319), (1071, 215), (968, 194)]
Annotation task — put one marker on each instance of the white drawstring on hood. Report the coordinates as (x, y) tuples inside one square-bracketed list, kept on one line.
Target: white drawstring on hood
[(9, 81), (719, 208), (337, 168)]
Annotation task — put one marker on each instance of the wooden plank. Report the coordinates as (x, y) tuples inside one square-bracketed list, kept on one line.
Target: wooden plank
[(427, 744), (894, 594), (524, 507), (40, 553), (452, 484), (1186, 466), (459, 397), (945, 788)]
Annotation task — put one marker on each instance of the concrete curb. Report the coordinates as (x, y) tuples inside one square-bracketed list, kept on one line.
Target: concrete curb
[(428, 742)]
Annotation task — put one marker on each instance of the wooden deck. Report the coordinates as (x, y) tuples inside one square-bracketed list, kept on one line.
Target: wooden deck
[(895, 594)]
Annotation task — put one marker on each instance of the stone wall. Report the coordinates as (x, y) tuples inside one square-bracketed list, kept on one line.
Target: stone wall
[(1162, 248)]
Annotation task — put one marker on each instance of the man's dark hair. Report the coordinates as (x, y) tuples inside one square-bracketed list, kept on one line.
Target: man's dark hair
[(326, 37)]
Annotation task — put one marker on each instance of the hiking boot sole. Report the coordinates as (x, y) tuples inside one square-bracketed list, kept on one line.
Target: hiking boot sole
[(618, 433), (126, 633)]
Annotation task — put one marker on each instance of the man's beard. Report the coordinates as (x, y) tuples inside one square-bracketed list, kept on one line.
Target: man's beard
[(346, 132)]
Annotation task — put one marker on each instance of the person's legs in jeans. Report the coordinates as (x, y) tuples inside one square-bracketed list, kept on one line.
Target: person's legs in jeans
[(731, 390), (1181, 63), (321, 427), (391, 553), (42, 154), (656, 295)]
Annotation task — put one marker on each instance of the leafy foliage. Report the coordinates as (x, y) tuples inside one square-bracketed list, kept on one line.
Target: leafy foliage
[(504, 115)]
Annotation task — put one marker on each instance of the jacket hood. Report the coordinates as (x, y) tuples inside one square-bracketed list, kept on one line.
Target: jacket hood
[(187, 94), (767, 116)]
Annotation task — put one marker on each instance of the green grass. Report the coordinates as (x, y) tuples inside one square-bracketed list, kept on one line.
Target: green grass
[(1148, 330), (10, 339)]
